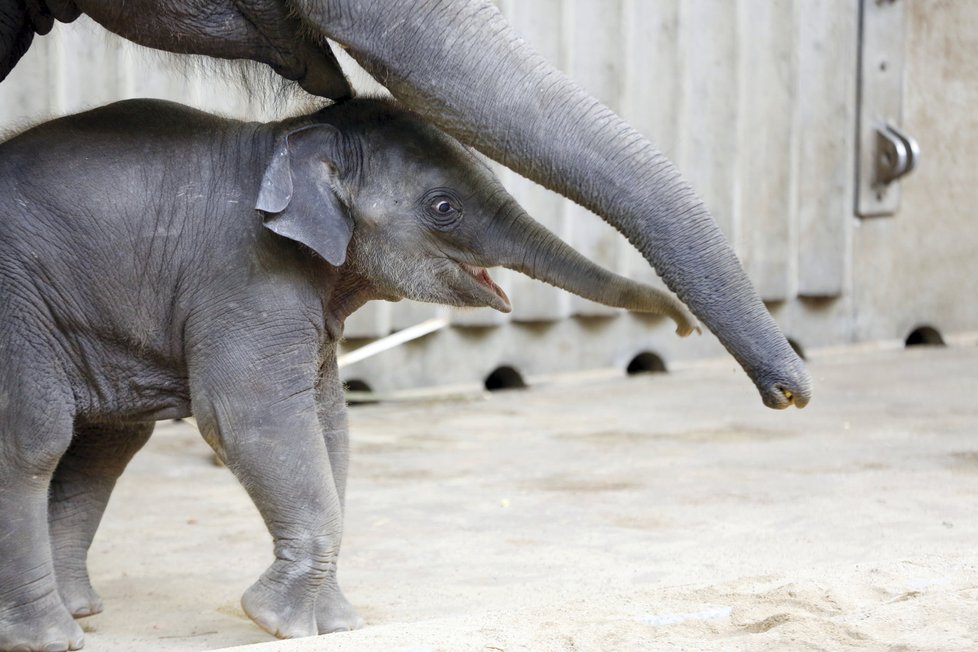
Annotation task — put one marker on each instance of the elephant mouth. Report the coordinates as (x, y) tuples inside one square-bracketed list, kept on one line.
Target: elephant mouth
[(496, 296)]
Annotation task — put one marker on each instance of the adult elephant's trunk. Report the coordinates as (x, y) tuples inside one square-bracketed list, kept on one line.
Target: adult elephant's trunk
[(522, 244), (461, 66)]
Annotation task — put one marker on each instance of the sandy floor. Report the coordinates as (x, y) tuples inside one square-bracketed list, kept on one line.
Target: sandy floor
[(661, 512)]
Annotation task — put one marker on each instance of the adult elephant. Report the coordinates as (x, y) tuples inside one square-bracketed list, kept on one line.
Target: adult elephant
[(460, 65)]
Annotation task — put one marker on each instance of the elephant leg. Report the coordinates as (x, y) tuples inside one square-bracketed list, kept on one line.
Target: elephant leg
[(35, 430), (268, 32), (80, 491), (257, 408), (334, 613)]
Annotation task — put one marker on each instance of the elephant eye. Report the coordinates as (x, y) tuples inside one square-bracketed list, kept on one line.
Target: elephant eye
[(444, 212), (443, 206)]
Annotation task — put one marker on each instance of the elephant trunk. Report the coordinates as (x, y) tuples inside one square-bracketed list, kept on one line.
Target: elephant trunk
[(459, 65), (525, 246)]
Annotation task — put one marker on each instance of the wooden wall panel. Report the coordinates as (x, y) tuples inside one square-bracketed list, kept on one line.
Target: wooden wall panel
[(826, 41), (650, 97), (753, 99), (767, 239), (542, 23), (31, 92), (708, 104), (595, 59)]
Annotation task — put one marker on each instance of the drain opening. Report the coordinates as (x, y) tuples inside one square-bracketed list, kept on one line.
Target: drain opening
[(925, 336), (646, 362), (504, 377)]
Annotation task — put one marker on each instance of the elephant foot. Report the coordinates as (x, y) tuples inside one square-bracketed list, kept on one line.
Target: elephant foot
[(334, 613), (80, 598), (42, 626), (281, 613)]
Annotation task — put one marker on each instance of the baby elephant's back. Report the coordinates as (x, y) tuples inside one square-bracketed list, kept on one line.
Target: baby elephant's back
[(119, 182), (109, 162), (106, 207)]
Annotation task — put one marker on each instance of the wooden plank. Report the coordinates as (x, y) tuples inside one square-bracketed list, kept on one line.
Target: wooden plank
[(149, 73), (213, 92), (827, 38), (650, 93), (392, 341), (372, 320), (88, 67), (541, 23), (767, 97), (28, 95), (708, 108), (406, 313), (594, 59)]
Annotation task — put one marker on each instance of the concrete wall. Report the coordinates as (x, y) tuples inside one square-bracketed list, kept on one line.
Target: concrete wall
[(756, 100)]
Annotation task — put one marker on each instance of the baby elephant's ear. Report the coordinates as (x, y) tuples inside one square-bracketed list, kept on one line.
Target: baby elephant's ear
[(299, 192)]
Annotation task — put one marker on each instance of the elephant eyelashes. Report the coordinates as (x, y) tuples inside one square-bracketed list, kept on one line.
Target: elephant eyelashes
[(444, 212)]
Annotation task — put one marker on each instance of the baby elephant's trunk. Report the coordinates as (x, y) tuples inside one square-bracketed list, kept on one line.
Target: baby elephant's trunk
[(538, 253)]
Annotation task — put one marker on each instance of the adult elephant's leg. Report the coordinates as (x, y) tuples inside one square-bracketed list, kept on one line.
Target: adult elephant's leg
[(80, 491), (36, 415), (334, 613), (266, 31), (253, 396)]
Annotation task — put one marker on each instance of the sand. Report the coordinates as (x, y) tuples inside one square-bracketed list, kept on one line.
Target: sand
[(598, 513)]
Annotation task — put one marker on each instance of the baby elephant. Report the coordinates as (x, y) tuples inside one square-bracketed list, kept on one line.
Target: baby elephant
[(158, 262)]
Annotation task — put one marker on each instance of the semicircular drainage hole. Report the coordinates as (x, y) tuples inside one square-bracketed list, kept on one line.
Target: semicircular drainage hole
[(797, 348), (504, 377), (925, 336), (356, 390), (646, 362)]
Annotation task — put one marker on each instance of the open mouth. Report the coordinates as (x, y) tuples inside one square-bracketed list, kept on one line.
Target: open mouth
[(482, 277)]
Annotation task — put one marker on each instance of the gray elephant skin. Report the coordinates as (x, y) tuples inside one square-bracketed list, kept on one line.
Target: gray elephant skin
[(159, 262), (459, 64)]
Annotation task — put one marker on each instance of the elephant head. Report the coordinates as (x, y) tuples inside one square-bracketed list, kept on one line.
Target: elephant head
[(405, 209), (459, 65)]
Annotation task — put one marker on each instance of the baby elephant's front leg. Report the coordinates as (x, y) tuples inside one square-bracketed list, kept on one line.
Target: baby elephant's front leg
[(272, 441), (283, 464), (334, 613)]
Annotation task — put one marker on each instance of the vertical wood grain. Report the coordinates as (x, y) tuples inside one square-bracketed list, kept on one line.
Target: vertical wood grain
[(594, 60), (708, 109), (29, 94), (541, 24), (827, 40), (650, 96), (766, 159)]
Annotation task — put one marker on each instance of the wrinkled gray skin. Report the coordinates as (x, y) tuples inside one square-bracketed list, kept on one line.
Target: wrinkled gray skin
[(139, 282), (459, 65)]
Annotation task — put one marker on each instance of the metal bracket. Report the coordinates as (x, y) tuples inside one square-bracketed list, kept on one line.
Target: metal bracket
[(886, 153), (896, 155)]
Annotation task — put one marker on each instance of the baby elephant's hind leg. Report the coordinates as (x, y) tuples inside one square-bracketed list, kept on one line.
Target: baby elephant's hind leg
[(79, 493), (35, 430)]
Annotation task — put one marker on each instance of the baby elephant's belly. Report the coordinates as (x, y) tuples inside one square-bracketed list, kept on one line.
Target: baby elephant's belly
[(133, 386)]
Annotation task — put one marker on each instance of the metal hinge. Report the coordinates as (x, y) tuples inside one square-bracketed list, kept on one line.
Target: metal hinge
[(886, 153)]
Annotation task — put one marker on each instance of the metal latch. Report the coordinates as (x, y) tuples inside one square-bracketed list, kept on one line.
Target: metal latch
[(896, 154), (886, 153)]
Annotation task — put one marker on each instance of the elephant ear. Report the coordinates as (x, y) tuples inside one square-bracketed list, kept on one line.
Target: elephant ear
[(299, 192)]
